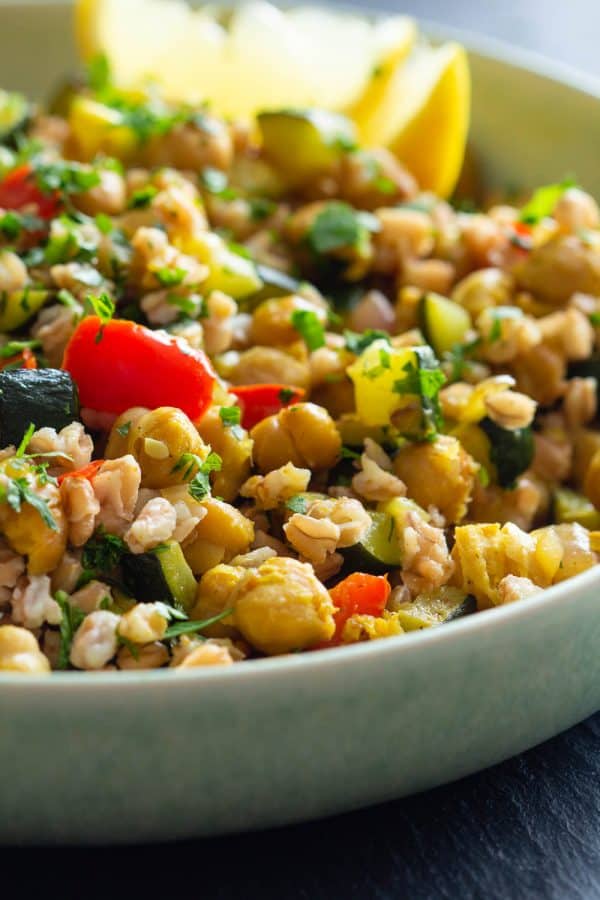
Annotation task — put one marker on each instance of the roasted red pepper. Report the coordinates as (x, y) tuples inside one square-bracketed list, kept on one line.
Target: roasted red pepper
[(120, 364), (19, 190), (26, 357), (359, 594), (88, 471), (257, 401)]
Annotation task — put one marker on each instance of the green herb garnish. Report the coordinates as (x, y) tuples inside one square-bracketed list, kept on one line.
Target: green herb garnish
[(308, 325), (180, 628), (170, 277), (297, 504), (339, 226), (358, 343), (543, 201), (72, 617)]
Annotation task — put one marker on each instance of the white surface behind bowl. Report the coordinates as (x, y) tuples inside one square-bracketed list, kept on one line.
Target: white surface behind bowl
[(138, 757)]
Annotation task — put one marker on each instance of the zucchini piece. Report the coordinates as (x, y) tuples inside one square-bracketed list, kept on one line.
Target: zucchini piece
[(437, 608), (274, 284), (511, 450), (569, 506), (443, 322), (160, 575), (302, 143), (379, 550), (46, 397), (97, 128), (18, 307), (15, 113)]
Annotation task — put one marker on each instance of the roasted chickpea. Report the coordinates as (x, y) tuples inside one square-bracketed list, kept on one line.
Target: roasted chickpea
[(222, 534), (304, 434), (440, 474), (282, 606), (158, 440), (26, 531), (19, 652), (267, 365), (484, 289), (215, 591), (235, 449), (560, 268), (272, 320), (118, 441)]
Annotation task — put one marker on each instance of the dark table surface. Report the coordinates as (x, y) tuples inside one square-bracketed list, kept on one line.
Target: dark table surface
[(529, 828)]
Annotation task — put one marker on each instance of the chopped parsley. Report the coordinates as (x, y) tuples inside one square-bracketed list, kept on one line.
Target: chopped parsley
[(297, 504), (308, 325), (215, 182), (18, 491), (357, 343), (348, 453), (100, 305), (424, 380), (129, 645), (104, 223), (13, 224), (261, 208), (72, 617), (143, 198), (66, 177), (340, 226), (190, 627), (459, 360), (25, 441), (170, 277), (102, 554), (14, 348), (230, 415), (286, 395), (595, 319), (543, 201), (190, 464), (124, 429)]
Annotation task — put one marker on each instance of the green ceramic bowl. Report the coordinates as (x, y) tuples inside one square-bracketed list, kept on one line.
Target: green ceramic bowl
[(124, 757)]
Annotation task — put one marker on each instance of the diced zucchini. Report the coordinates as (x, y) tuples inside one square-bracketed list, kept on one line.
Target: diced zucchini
[(97, 128), (443, 322), (274, 284), (230, 272), (511, 450), (18, 307), (15, 112), (44, 397), (436, 608), (302, 143), (399, 508), (160, 575), (379, 550), (569, 506)]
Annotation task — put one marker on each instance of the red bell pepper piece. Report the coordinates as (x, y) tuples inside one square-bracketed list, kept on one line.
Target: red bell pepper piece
[(88, 471), (361, 594), (26, 357), (257, 401), (18, 190), (122, 364)]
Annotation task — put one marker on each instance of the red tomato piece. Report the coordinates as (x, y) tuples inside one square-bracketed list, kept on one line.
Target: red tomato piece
[(88, 471), (257, 401), (360, 594), (18, 190), (122, 364)]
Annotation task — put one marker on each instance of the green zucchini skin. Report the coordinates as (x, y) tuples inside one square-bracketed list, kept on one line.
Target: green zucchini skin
[(275, 284), (48, 398), (160, 576), (511, 450), (378, 551), (466, 608)]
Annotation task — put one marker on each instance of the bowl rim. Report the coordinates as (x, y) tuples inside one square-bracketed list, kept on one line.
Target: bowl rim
[(314, 662)]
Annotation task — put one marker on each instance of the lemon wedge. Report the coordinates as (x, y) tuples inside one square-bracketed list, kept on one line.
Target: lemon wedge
[(255, 58), (421, 111)]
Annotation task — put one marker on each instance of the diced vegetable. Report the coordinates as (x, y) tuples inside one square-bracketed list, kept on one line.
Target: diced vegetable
[(389, 379), (19, 189), (274, 284), (379, 550), (569, 506), (302, 143), (359, 594), (46, 397), (443, 322), (119, 365), (229, 271), (18, 307), (257, 401), (160, 575), (97, 128), (511, 450), (437, 608), (88, 472), (15, 112)]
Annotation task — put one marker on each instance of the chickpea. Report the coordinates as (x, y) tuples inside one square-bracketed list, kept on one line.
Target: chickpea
[(560, 268), (20, 652), (118, 441), (108, 197), (576, 211), (483, 289), (25, 530), (267, 365), (440, 474), (13, 272), (222, 534), (304, 434), (235, 450), (158, 440), (272, 320), (215, 590), (192, 146), (282, 606)]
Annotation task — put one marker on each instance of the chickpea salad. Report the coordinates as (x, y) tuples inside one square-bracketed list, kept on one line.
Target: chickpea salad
[(259, 394)]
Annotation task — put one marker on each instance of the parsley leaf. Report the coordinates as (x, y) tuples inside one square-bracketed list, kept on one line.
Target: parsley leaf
[(170, 277), (199, 486), (72, 617), (544, 200), (100, 305), (25, 441), (286, 395), (142, 198), (338, 225), (308, 325), (65, 176), (424, 380), (124, 429), (459, 360), (358, 343), (18, 491), (297, 504), (230, 416), (13, 348), (175, 631), (102, 553), (348, 453)]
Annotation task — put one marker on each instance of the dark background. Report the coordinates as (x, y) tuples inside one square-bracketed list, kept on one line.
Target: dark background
[(529, 828)]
